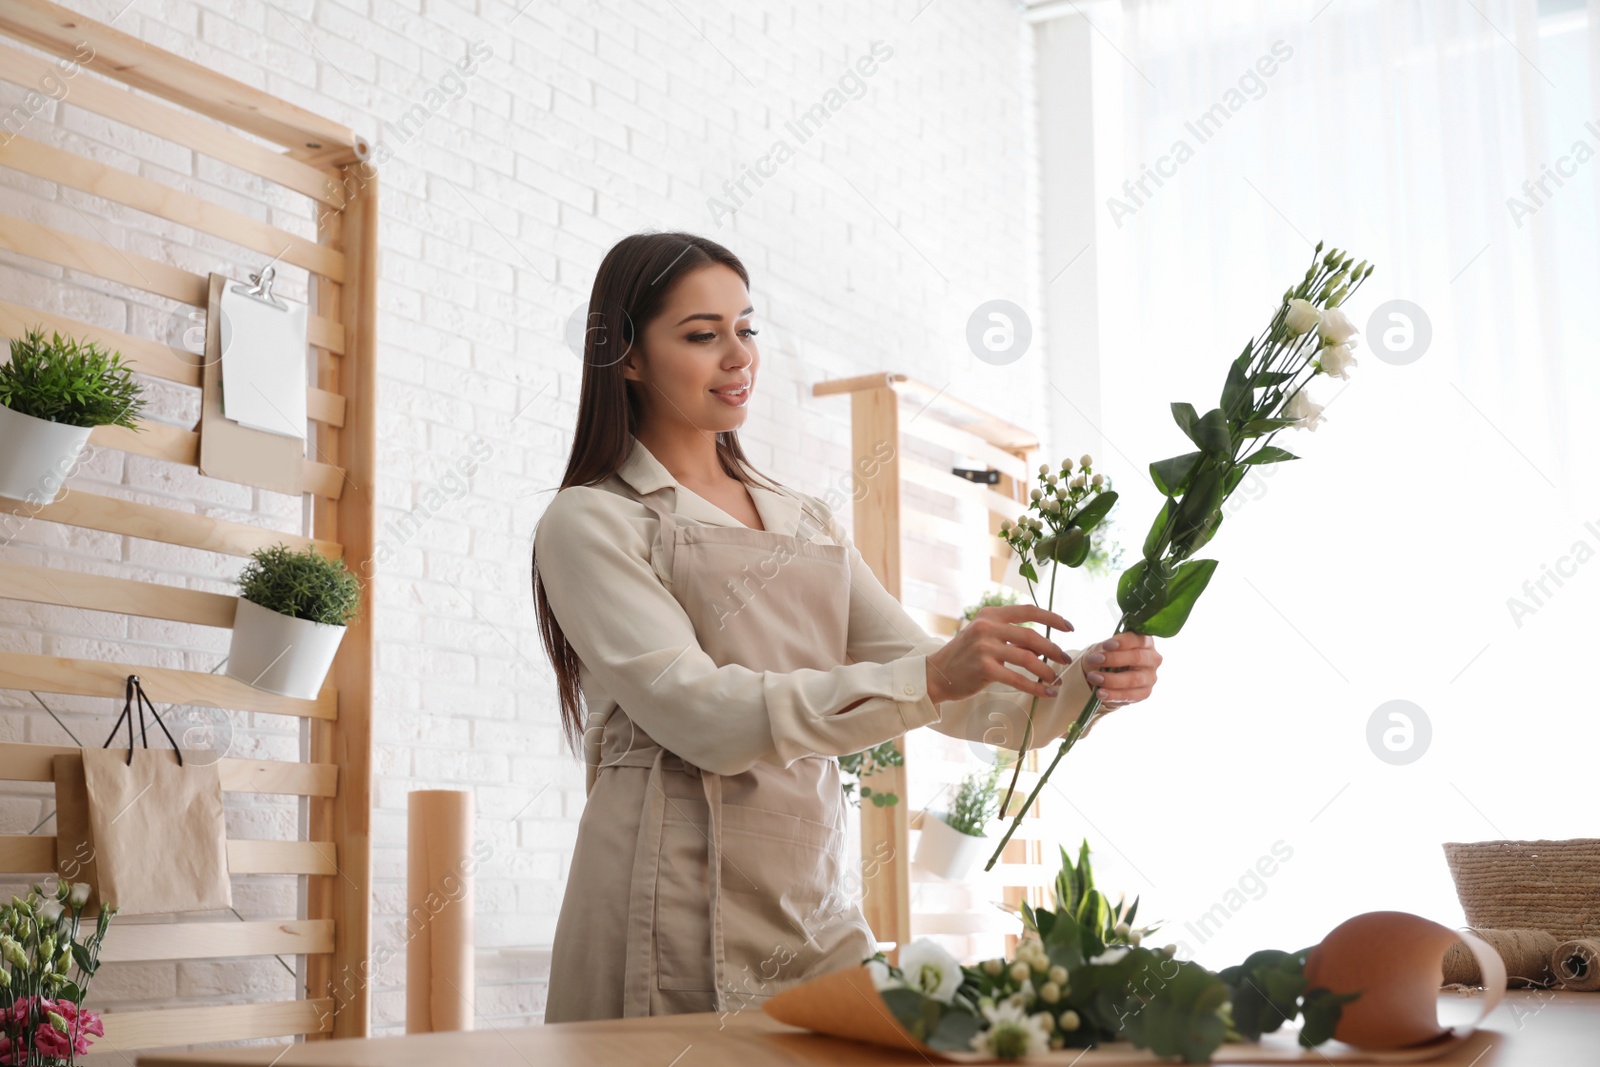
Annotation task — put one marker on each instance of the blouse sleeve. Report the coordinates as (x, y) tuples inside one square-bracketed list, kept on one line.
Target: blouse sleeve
[(997, 715), (593, 555)]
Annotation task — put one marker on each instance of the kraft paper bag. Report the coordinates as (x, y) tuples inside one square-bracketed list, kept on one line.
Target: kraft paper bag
[(159, 839), (74, 846)]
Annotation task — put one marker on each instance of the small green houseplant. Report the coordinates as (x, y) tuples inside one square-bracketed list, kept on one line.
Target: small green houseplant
[(858, 766), (52, 395), (293, 611), (952, 841)]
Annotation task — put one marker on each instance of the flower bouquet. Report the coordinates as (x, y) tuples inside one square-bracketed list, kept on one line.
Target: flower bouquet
[(43, 1022), (1264, 393), (1082, 985)]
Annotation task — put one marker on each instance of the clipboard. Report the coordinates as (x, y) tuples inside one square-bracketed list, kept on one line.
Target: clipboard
[(232, 450)]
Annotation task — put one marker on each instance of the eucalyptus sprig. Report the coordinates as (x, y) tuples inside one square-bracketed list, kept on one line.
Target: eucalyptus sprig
[(1264, 393)]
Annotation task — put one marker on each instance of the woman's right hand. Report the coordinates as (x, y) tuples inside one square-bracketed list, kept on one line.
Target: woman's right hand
[(980, 650)]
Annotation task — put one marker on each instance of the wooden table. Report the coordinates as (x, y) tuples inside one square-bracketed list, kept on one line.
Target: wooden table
[(1530, 1028)]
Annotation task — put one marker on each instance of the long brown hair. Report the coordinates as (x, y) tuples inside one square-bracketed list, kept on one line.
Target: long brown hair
[(632, 285)]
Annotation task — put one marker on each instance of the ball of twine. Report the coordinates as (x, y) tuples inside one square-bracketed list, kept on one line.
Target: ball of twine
[(1577, 964), (1527, 955)]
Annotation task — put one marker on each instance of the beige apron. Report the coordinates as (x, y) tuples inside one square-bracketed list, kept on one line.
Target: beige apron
[(693, 891)]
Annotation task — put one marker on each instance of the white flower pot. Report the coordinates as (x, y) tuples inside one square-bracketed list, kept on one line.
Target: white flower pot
[(279, 653), (36, 455), (946, 851)]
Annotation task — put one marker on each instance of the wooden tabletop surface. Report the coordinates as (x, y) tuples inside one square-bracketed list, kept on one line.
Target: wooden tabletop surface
[(1530, 1028)]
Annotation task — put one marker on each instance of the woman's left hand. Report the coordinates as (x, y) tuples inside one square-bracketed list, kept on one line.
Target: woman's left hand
[(1122, 669)]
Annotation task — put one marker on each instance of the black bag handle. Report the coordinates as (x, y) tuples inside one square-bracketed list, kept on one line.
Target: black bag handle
[(134, 690)]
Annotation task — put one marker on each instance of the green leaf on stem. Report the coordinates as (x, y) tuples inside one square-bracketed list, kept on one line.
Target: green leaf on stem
[(1070, 546), (1257, 427), (1140, 590), (1027, 571), (1321, 1010), (1091, 513), (1186, 418), (1203, 498), (1155, 542), (1213, 436), (1172, 475), (1181, 593), (1268, 454), (1236, 391), (1262, 379)]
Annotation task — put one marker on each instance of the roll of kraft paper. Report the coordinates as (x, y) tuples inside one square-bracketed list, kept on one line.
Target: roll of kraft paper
[(1577, 964), (439, 926), (1526, 954)]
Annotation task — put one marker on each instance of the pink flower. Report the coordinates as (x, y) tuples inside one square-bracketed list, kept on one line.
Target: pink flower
[(46, 1039)]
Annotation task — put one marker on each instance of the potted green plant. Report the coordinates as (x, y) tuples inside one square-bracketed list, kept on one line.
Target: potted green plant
[(952, 841), (857, 767), (293, 611), (52, 396)]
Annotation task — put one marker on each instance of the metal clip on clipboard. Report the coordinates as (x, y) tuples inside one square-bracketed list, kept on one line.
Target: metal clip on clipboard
[(261, 288)]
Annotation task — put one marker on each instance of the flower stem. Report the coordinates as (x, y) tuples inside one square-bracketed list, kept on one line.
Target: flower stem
[(1027, 732)]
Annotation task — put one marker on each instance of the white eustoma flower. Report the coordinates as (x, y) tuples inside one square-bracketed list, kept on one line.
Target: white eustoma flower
[(1110, 955), (1336, 327), (1300, 408), (1302, 315), (1336, 361), (881, 978), (50, 910), (930, 969), (1012, 1033)]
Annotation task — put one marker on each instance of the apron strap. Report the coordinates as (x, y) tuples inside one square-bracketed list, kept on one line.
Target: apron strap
[(664, 532), (712, 783), (639, 958)]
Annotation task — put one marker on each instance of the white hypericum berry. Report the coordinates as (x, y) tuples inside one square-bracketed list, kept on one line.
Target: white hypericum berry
[(1044, 469), (1098, 479), (1034, 495), (1086, 460), (1058, 975), (1020, 971)]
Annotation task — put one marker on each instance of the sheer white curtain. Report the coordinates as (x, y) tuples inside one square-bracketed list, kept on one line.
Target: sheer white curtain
[(1382, 566)]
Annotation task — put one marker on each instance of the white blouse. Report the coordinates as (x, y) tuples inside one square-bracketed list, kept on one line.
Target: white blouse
[(638, 648)]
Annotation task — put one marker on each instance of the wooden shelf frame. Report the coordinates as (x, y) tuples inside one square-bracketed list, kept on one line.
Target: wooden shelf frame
[(881, 521), (183, 102)]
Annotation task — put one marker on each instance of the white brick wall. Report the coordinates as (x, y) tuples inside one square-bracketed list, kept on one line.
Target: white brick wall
[(868, 250)]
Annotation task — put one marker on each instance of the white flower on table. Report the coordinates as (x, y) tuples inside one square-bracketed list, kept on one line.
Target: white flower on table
[(1013, 1033), (930, 970), (881, 978)]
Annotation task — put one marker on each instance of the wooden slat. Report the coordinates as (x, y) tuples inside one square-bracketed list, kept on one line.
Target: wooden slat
[(163, 120), (174, 205), (944, 405), (928, 428), (36, 854), (351, 522), (129, 1030), (160, 441), (148, 357), (96, 592), (133, 270), (92, 678), (942, 481), (21, 762), (156, 523), (138, 942), (182, 81)]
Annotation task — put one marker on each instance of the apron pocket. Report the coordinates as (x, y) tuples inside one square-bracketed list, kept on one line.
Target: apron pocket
[(683, 903)]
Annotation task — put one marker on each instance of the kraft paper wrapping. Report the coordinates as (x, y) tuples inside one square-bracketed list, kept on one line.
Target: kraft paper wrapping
[(439, 926), (1396, 958)]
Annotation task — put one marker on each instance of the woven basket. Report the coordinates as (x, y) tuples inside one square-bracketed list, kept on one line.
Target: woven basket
[(1529, 885)]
